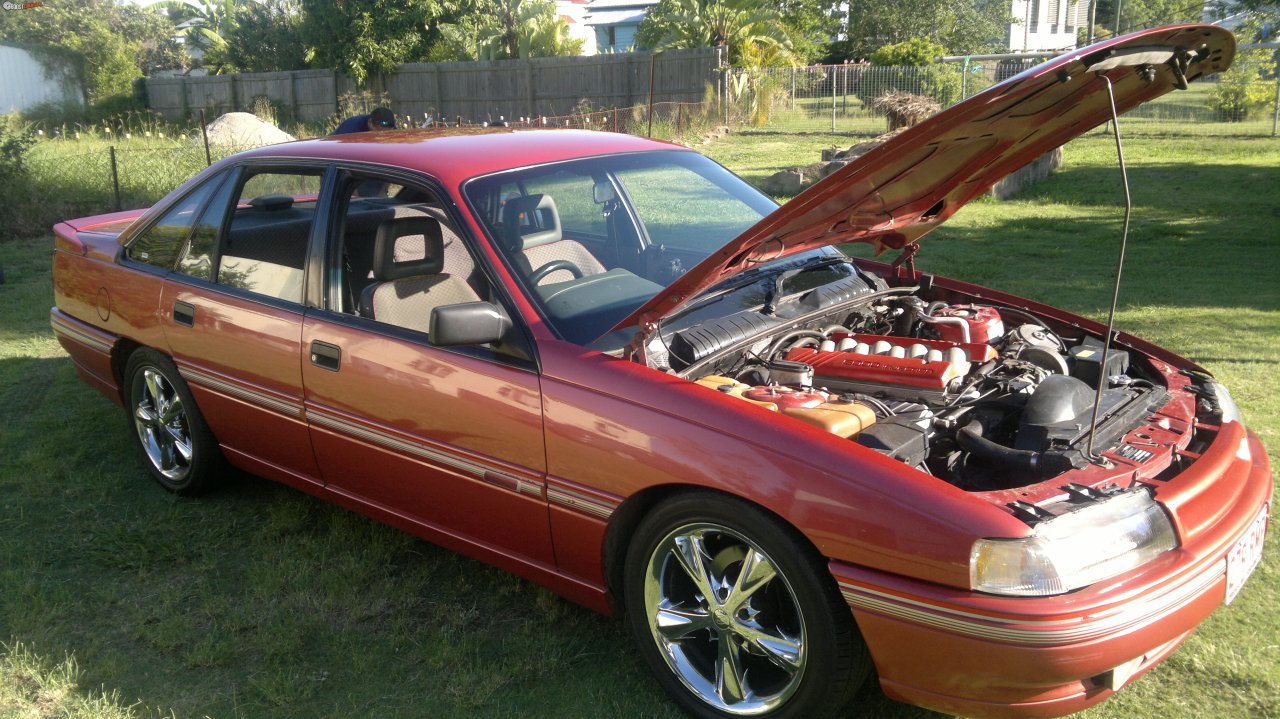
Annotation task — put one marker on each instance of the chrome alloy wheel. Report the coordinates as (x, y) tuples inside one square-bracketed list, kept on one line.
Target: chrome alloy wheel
[(724, 619), (162, 426)]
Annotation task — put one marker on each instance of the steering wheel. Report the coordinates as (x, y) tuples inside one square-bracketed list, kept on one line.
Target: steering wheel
[(541, 273)]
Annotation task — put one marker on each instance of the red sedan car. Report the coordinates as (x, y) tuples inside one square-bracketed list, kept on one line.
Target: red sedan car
[(610, 366)]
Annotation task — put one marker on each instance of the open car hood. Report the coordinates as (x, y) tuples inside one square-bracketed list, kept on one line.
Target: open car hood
[(903, 189)]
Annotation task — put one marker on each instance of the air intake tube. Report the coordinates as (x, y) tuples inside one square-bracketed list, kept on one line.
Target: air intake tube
[(1046, 464)]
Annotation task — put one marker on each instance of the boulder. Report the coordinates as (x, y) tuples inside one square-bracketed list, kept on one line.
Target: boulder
[(785, 183)]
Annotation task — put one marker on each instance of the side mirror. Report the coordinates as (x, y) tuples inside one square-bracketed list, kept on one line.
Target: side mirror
[(468, 323)]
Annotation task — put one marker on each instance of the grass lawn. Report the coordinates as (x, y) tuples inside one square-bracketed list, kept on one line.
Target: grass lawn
[(118, 600)]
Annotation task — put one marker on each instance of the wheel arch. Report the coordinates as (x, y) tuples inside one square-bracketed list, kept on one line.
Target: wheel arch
[(634, 509), (121, 351)]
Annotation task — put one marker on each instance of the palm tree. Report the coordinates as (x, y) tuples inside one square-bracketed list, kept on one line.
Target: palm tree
[(515, 29), (748, 28)]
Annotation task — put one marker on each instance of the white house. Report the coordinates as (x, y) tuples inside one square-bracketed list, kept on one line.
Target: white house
[(615, 22), (1046, 24)]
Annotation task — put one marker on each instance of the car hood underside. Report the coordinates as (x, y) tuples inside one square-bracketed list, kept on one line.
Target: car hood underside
[(903, 189)]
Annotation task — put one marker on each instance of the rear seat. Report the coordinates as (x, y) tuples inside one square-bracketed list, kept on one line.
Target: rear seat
[(279, 236), (362, 225)]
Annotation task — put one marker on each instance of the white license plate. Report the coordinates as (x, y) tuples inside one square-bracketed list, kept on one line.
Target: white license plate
[(1245, 555)]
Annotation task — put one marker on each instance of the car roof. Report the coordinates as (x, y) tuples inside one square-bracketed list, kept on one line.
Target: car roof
[(455, 154)]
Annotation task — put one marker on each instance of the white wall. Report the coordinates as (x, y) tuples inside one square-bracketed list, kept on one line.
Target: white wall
[(1046, 24), (23, 83)]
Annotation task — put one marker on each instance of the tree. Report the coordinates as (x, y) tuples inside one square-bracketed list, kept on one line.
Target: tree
[(501, 29), (1139, 14), (370, 37), (153, 36), (204, 24), (811, 25), (745, 27), (267, 37), (961, 26)]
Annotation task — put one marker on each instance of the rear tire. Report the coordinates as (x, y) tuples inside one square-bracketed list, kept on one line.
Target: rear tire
[(736, 614), (168, 429)]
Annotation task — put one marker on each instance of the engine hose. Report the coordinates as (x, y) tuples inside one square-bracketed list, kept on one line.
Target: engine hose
[(788, 338), (964, 326), (970, 437)]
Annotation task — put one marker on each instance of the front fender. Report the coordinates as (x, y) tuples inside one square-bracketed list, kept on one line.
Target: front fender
[(615, 429)]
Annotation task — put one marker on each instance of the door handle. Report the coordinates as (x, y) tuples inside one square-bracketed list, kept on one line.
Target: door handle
[(325, 355), (184, 313)]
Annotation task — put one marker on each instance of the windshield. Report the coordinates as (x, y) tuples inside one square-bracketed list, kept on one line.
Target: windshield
[(593, 239)]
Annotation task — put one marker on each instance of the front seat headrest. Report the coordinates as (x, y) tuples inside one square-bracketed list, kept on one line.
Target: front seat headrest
[(386, 268), (530, 221)]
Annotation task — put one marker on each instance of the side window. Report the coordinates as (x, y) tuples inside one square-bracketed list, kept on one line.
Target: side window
[(201, 255), (162, 243), (575, 202), (265, 248), (421, 262)]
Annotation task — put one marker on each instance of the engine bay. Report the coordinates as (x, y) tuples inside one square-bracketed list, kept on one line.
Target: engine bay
[(983, 396)]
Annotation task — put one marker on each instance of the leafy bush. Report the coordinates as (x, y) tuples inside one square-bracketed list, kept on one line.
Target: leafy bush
[(917, 51), (911, 67), (1242, 90), (15, 139)]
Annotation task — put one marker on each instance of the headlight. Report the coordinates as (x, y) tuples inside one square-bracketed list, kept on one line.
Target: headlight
[(1230, 413), (1075, 549)]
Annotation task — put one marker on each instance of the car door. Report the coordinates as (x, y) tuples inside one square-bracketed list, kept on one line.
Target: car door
[(232, 312), (447, 442)]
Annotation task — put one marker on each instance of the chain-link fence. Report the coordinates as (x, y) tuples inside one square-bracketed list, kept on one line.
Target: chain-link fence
[(74, 178), (1244, 101)]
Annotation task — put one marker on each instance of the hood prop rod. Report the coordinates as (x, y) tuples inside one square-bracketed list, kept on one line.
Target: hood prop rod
[(1115, 293)]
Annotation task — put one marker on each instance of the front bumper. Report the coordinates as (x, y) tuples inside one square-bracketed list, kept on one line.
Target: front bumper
[(989, 656)]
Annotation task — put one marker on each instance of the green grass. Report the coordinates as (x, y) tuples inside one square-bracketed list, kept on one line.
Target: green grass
[(119, 600)]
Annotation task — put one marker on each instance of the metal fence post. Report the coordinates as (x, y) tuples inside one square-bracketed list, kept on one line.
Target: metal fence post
[(115, 179), (1275, 115), (832, 75), (964, 78), (204, 131)]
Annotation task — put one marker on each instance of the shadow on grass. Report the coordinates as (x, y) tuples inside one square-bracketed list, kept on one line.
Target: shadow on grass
[(258, 600)]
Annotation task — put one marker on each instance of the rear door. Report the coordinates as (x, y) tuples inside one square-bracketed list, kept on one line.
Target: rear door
[(233, 310), (445, 442)]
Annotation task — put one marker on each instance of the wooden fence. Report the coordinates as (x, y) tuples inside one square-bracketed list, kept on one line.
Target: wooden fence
[(475, 91)]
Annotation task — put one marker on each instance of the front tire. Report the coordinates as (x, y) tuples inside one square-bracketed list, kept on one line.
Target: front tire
[(170, 433), (736, 613)]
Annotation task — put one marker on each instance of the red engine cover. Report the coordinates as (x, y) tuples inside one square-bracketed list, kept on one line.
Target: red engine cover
[(873, 368)]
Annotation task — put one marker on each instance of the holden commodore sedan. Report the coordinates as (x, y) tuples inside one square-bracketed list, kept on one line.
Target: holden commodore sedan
[(610, 366)]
